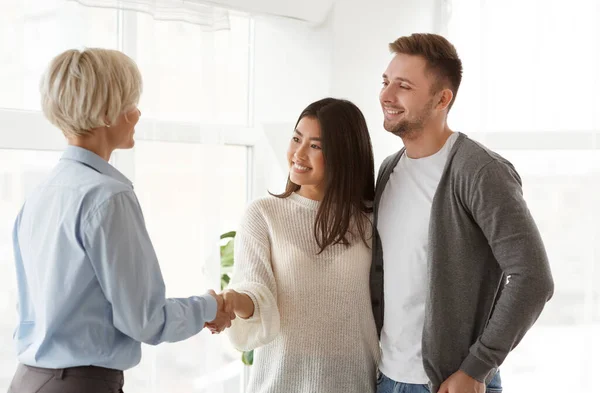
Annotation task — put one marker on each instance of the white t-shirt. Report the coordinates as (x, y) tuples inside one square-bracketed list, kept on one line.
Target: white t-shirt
[(403, 225)]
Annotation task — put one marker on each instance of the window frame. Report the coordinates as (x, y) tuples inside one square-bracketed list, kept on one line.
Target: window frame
[(36, 133)]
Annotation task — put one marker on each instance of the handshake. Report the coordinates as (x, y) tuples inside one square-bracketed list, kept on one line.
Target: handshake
[(229, 305)]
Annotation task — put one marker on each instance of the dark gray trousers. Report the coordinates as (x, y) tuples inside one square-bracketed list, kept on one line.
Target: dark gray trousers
[(88, 379)]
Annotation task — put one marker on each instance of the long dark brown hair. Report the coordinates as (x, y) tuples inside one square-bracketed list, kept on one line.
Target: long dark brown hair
[(349, 172)]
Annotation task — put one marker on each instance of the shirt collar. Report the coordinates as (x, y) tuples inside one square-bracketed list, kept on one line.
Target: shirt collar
[(95, 162)]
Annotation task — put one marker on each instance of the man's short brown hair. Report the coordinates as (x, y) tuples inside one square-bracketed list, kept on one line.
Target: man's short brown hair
[(440, 55)]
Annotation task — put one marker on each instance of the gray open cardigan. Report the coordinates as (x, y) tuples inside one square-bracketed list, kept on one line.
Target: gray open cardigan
[(489, 276)]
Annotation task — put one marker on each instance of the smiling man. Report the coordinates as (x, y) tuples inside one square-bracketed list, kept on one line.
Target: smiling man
[(452, 225)]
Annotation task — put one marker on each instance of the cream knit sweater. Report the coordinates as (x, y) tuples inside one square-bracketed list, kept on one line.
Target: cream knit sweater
[(312, 327)]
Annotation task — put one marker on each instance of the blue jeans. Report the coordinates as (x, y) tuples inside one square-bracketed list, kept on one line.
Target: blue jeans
[(386, 385)]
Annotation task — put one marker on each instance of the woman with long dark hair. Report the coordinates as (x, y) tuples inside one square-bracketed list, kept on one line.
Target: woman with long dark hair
[(301, 283)]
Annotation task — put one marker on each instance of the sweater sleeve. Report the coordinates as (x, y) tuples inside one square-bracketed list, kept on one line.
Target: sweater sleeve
[(498, 207), (253, 276)]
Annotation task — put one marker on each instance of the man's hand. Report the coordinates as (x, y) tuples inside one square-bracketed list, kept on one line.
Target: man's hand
[(224, 315), (459, 382)]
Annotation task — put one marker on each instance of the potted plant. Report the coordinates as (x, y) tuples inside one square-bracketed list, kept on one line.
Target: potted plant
[(226, 270)]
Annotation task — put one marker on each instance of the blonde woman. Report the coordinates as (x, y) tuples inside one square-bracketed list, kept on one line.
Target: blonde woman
[(90, 287)]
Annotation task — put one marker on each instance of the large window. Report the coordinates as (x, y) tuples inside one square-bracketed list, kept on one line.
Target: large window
[(562, 189), (528, 65), (531, 72), (191, 166), (207, 73), (34, 31), (190, 193)]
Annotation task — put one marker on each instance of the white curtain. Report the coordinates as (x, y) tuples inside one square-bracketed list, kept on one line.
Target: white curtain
[(213, 14), (313, 11), (207, 16)]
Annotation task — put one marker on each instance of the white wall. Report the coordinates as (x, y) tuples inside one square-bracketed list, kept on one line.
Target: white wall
[(297, 63), (309, 10), (292, 68), (361, 33)]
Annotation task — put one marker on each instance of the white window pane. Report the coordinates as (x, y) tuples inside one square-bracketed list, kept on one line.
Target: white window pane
[(190, 194), (33, 32), (192, 75), (20, 172), (562, 189), (528, 65)]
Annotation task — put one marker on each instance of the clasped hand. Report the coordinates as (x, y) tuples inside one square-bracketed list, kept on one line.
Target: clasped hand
[(225, 312)]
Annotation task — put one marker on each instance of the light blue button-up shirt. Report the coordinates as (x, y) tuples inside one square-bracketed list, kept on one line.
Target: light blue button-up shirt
[(90, 287)]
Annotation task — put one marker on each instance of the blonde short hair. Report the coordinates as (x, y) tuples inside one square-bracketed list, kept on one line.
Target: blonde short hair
[(83, 90)]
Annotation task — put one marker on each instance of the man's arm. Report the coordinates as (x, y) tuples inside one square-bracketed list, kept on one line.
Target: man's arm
[(498, 207)]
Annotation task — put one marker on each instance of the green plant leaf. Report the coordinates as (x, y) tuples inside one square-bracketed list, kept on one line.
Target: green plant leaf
[(248, 357), (227, 254), (224, 281), (228, 235), (226, 268)]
